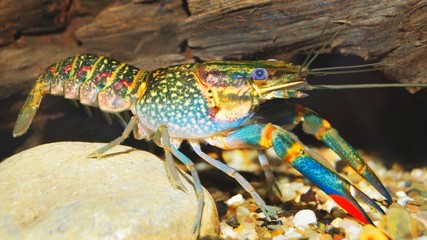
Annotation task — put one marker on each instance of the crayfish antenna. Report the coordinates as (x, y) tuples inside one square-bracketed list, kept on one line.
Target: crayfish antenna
[(29, 110)]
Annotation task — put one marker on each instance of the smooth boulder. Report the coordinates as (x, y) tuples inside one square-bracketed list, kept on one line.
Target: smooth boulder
[(54, 191)]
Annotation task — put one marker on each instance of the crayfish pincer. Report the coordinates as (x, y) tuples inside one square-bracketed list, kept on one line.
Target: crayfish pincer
[(214, 102)]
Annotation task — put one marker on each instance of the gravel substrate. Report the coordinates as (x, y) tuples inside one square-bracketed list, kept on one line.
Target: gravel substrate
[(305, 212)]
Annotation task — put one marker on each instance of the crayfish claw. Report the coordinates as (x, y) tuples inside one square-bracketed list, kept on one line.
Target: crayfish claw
[(320, 128)]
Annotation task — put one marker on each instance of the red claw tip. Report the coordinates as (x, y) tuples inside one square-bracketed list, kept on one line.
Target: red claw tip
[(352, 209)]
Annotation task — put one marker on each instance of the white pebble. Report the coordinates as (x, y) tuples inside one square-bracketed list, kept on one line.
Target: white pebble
[(352, 227), (242, 213), (235, 199), (329, 205), (401, 194), (336, 222), (279, 237), (227, 231), (292, 234), (402, 198), (288, 194), (303, 189), (304, 217), (289, 190), (417, 174)]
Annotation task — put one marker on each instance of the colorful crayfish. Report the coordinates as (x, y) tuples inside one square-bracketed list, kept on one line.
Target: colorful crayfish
[(213, 102)]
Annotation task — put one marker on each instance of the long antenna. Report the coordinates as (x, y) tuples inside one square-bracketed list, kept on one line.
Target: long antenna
[(324, 45), (342, 70), (316, 40), (363, 85), (308, 60), (344, 67), (317, 73)]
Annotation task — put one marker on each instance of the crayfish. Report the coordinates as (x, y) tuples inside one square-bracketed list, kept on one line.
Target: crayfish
[(213, 102)]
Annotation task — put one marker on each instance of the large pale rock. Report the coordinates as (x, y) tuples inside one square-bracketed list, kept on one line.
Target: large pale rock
[(54, 192)]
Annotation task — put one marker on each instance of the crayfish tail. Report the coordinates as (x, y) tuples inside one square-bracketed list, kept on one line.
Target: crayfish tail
[(28, 111), (24, 120)]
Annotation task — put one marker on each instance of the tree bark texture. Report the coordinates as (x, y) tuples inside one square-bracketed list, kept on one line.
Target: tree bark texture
[(152, 34)]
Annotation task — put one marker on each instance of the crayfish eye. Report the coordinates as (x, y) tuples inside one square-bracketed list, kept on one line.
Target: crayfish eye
[(259, 74)]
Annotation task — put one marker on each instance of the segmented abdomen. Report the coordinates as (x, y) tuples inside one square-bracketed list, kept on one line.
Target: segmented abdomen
[(95, 81)]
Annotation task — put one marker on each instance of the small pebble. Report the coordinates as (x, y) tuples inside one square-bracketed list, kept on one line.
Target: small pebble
[(352, 227), (248, 230), (309, 196), (402, 198), (413, 193), (235, 199), (232, 222), (227, 231), (304, 217), (370, 232), (417, 174), (398, 223), (279, 237), (325, 236), (303, 189), (336, 222), (288, 195), (242, 213), (293, 234), (339, 213)]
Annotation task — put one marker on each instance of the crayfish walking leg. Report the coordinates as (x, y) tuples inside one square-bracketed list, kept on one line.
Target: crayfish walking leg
[(171, 149), (236, 175)]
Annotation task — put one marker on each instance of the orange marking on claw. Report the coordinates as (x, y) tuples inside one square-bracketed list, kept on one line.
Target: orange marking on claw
[(294, 151), (322, 129), (265, 140)]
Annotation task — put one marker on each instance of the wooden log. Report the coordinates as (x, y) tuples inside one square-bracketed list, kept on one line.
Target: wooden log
[(391, 32), (130, 30), (31, 17)]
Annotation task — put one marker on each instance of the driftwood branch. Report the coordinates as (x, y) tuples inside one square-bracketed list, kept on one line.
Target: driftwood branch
[(391, 32)]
